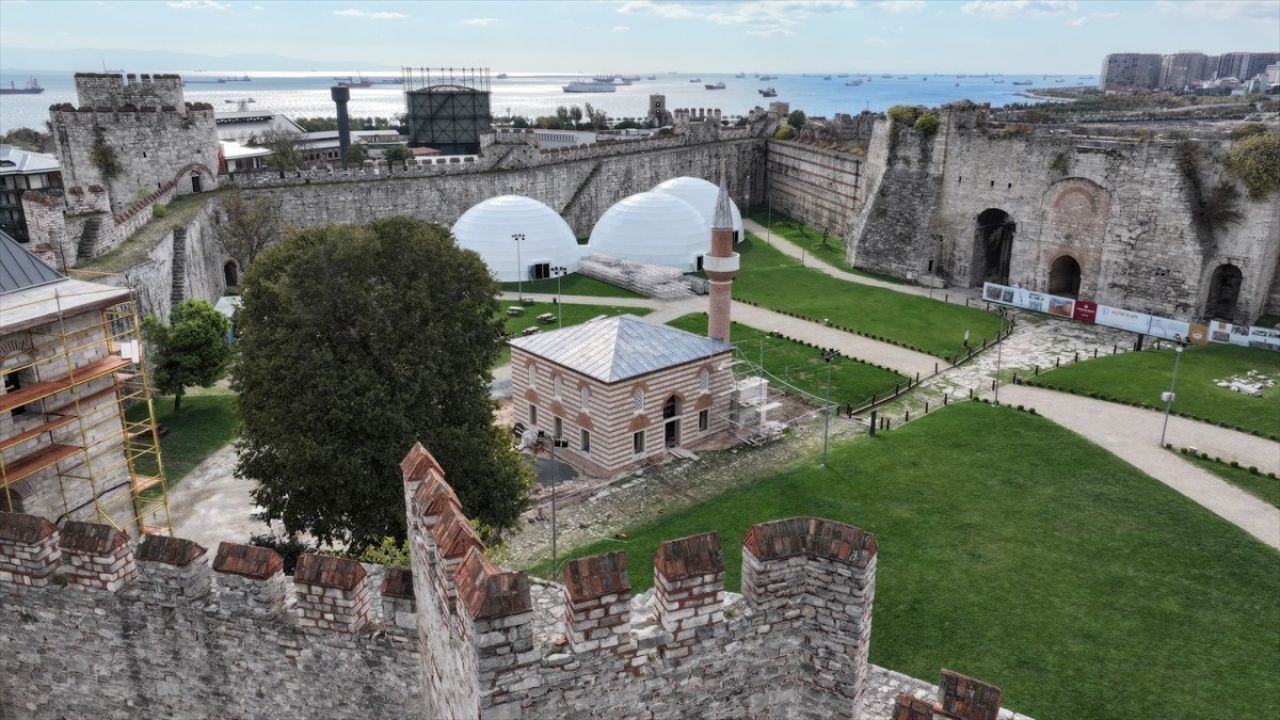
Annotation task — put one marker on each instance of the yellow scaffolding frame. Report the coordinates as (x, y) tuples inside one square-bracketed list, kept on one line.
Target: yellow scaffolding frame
[(68, 430)]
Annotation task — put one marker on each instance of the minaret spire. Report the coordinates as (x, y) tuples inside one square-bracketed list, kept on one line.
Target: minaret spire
[(721, 263)]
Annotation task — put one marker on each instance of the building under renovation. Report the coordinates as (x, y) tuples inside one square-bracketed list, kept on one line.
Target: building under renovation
[(447, 108), (77, 434)]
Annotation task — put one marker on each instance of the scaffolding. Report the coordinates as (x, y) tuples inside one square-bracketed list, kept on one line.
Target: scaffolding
[(83, 420)]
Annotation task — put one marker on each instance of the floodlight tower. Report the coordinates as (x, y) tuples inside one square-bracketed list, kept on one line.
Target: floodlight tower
[(721, 264)]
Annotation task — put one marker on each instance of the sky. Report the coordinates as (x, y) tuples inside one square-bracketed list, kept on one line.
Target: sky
[(634, 36)]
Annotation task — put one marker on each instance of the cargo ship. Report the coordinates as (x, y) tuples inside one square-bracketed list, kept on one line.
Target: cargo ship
[(31, 88)]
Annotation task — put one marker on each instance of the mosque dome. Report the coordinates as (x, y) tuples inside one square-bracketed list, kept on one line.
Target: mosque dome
[(487, 228), (653, 228), (701, 195)]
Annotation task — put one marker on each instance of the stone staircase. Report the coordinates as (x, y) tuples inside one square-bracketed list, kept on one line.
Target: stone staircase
[(655, 281), (179, 292), (88, 244), (582, 189)]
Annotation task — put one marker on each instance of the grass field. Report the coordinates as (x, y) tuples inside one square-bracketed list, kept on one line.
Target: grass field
[(569, 315), (206, 422), (802, 366), (811, 240), (1257, 484), (1015, 551), (572, 284), (778, 282), (1140, 377)]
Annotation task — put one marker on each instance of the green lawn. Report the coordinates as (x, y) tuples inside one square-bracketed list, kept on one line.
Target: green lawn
[(802, 366), (830, 251), (1015, 551), (206, 422), (778, 282), (569, 315), (1257, 484), (1140, 377), (572, 284)]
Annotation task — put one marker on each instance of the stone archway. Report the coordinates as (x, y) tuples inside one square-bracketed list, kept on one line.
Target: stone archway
[(993, 245), (195, 174), (1224, 292), (231, 273), (1064, 277)]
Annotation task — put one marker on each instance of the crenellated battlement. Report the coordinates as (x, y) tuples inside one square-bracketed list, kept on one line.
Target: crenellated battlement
[(114, 89), (335, 639)]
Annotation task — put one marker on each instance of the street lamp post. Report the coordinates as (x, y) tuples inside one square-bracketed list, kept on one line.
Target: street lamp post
[(999, 351), (1169, 396), (559, 271), (827, 356), (519, 238)]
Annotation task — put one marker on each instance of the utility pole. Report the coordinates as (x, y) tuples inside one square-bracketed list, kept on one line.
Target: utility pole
[(827, 357), (999, 352), (1169, 396), (559, 271), (519, 238)]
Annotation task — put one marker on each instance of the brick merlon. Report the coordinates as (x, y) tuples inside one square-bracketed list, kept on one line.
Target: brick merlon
[(398, 582), (248, 560), (25, 529), (596, 576), (328, 571), (91, 538), (690, 556), (906, 707), (168, 550), (418, 463), (454, 534), (488, 593), (813, 538), (965, 698)]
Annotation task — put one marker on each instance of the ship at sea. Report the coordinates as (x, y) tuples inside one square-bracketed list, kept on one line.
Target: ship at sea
[(1020, 82), (356, 82), (854, 83), (769, 92), (589, 86), (32, 87), (716, 86)]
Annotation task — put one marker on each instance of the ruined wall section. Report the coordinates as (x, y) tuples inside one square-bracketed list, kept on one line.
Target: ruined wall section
[(820, 187)]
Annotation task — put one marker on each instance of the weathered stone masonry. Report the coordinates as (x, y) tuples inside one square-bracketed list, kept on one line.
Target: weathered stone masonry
[(94, 624)]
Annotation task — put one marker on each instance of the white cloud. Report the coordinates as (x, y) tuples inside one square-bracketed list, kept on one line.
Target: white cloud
[(258, 7), (1220, 9), (1009, 8), (770, 32), (376, 15), (621, 28), (1078, 22), (480, 22), (661, 9), (197, 5), (901, 6), (1104, 15), (762, 18), (882, 42)]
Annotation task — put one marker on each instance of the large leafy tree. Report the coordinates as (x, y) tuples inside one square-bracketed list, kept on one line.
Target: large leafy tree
[(251, 225), (355, 341), (191, 350)]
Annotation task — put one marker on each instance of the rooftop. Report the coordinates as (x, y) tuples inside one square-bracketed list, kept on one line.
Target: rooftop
[(32, 293), (20, 269), (16, 161), (618, 348)]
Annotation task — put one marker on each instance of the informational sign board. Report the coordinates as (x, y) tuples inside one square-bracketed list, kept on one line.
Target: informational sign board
[(1085, 311), (1123, 319)]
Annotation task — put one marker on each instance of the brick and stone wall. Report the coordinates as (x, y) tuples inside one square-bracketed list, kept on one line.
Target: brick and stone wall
[(820, 187)]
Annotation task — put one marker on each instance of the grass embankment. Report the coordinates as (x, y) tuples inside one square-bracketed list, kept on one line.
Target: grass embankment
[(572, 284), (206, 423), (181, 212), (852, 381), (776, 281), (569, 315), (1259, 484), (1013, 550), (1139, 378), (828, 249)]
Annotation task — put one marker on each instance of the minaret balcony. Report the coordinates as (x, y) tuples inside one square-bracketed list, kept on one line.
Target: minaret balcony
[(711, 263)]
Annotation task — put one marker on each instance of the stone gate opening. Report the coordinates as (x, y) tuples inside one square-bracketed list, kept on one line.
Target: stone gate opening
[(1224, 292), (1064, 277), (231, 273), (993, 240)]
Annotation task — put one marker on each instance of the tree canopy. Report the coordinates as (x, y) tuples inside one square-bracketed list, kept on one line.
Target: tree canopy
[(251, 225), (354, 342), (190, 351)]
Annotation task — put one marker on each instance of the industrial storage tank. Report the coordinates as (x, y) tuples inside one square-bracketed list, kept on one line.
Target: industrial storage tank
[(701, 195), (516, 236), (447, 108), (652, 228)]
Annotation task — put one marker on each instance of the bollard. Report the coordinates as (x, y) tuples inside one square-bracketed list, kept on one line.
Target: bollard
[(873, 422), (906, 416), (970, 393), (873, 398), (1015, 379), (945, 397), (1095, 352), (917, 376), (984, 343), (993, 386), (1114, 348), (1057, 362), (1077, 356), (887, 423), (895, 389), (946, 298), (926, 406), (935, 368), (1037, 370)]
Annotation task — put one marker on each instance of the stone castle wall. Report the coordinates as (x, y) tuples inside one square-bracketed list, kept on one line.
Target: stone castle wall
[(94, 623), (820, 187)]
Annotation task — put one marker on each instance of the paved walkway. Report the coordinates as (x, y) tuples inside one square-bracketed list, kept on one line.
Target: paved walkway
[(211, 504), (1133, 434)]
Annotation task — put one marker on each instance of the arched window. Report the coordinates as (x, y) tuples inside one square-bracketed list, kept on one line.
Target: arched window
[(637, 401), (704, 381), (556, 387), (671, 408), (533, 377), (1224, 292), (584, 398)]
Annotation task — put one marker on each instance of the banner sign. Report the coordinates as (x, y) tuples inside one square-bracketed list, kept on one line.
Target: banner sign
[(1085, 311), (1123, 319), (1264, 337), (1028, 300)]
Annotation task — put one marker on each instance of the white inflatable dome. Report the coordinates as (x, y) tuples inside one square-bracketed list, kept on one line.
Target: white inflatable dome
[(653, 228), (488, 226), (702, 195)]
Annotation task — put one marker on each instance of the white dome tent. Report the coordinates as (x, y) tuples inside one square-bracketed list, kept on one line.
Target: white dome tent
[(652, 228), (701, 195), (488, 227)]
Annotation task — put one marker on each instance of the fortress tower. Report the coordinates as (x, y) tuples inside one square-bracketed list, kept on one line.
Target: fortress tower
[(721, 264)]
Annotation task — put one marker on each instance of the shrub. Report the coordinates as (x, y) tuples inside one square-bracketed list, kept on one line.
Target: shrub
[(1247, 130), (1256, 161), (159, 210), (904, 114), (1253, 469), (786, 132), (926, 124)]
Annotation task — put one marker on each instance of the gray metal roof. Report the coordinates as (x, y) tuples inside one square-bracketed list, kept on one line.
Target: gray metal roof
[(617, 348), (20, 269), (16, 161)]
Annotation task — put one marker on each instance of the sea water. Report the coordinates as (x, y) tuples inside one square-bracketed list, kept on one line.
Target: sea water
[(531, 95)]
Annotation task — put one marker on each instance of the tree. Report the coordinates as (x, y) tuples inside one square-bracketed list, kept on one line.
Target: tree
[(190, 351), (397, 153), (251, 225), (1256, 161), (796, 119), (283, 145), (354, 342), (575, 114), (25, 138), (357, 153)]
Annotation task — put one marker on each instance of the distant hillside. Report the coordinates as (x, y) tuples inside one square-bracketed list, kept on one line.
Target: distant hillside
[(87, 59)]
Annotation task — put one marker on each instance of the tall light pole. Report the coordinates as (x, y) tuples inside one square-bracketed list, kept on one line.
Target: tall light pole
[(827, 356), (999, 351), (519, 238), (559, 271), (1168, 397)]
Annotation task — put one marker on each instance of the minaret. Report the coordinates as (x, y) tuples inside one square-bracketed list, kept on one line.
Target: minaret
[(721, 264)]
